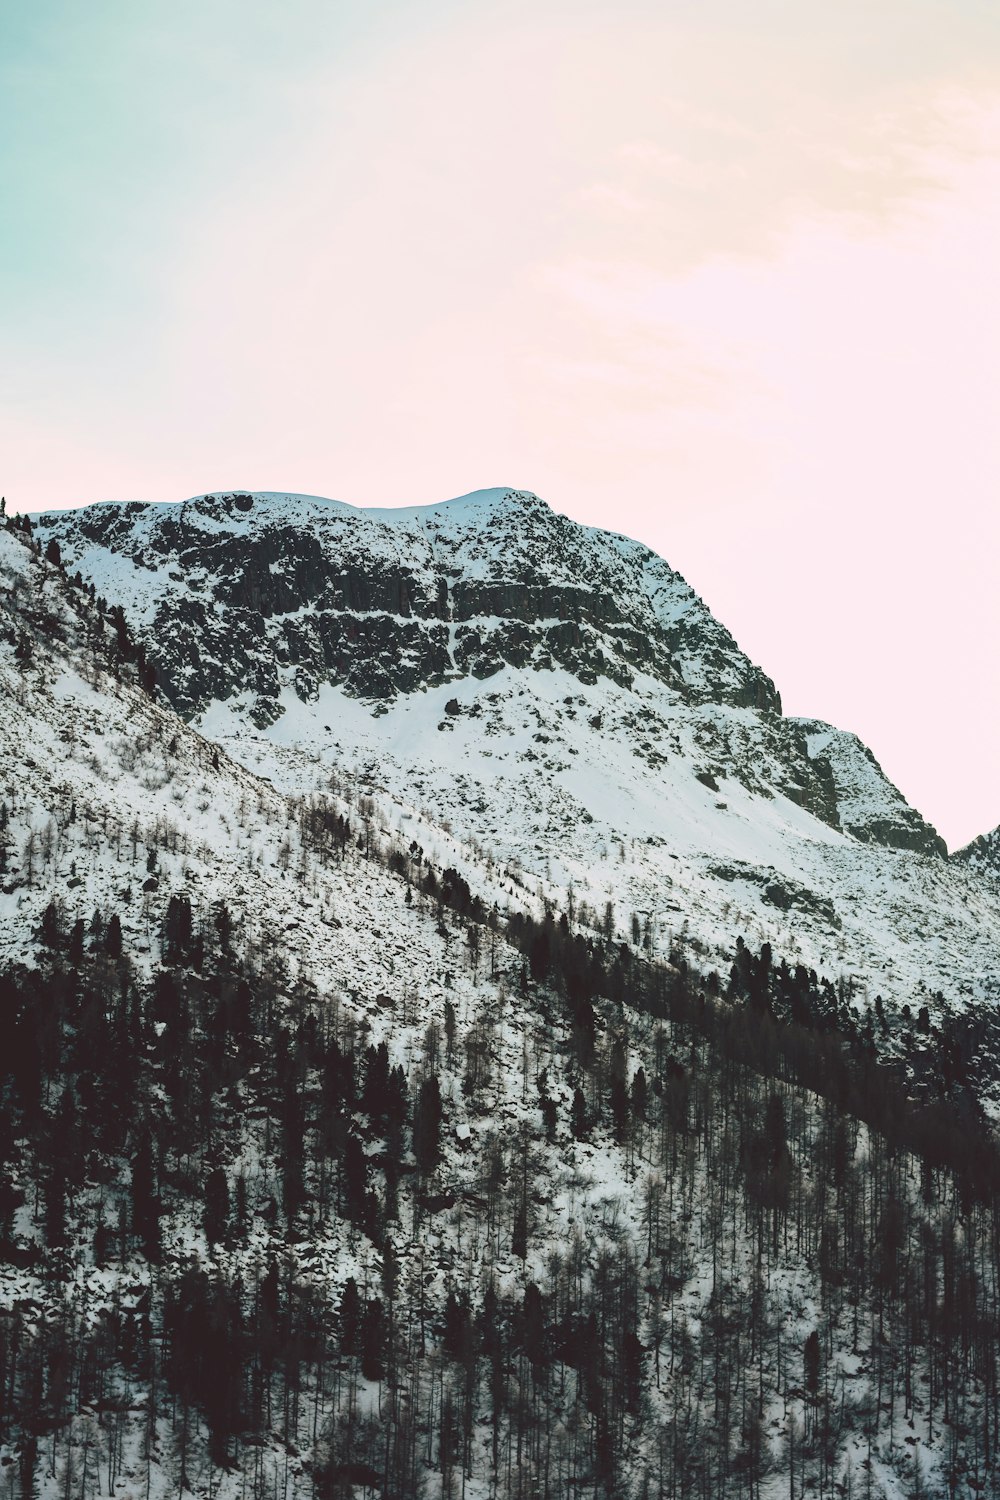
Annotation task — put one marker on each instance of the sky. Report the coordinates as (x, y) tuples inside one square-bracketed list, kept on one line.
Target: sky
[(720, 276)]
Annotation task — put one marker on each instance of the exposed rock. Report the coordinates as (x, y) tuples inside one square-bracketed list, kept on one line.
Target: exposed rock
[(868, 805)]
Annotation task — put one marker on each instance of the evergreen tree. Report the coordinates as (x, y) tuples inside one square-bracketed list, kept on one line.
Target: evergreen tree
[(113, 937), (427, 1116), (50, 932), (350, 1317), (145, 1202), (75, 951), (372, 1340), (216, 1212), (578, 1121)]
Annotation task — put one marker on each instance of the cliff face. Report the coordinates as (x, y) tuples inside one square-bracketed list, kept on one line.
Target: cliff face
[(868, 805), (235, 588)]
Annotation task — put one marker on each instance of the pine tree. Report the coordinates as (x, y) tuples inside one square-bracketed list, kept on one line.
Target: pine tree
[(113, 937), (75, 950), (50, 932), (372, 1340), (427, 1115), (216, 1213), (350, 1317), (145, 1203), (578, 1121)]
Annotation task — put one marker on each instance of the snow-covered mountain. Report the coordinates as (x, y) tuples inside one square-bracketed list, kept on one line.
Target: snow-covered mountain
[(557, 696), (652, 1240)]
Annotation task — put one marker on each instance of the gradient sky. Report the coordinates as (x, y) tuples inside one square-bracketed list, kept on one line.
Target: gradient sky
[(718, 275)]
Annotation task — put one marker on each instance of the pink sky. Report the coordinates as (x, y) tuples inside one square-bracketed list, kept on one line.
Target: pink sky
[(721, 281)]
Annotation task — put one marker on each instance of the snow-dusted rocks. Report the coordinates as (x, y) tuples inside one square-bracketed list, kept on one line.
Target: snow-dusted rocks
[(868, 805), (982, 856)]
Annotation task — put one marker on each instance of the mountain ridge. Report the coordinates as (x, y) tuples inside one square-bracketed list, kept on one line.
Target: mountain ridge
[(416, 548)]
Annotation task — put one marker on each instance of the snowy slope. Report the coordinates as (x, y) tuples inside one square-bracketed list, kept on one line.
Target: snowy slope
[(555, 696)]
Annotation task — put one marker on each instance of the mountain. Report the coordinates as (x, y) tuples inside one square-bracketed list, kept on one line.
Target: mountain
[(558, 696), (341, 1157)]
